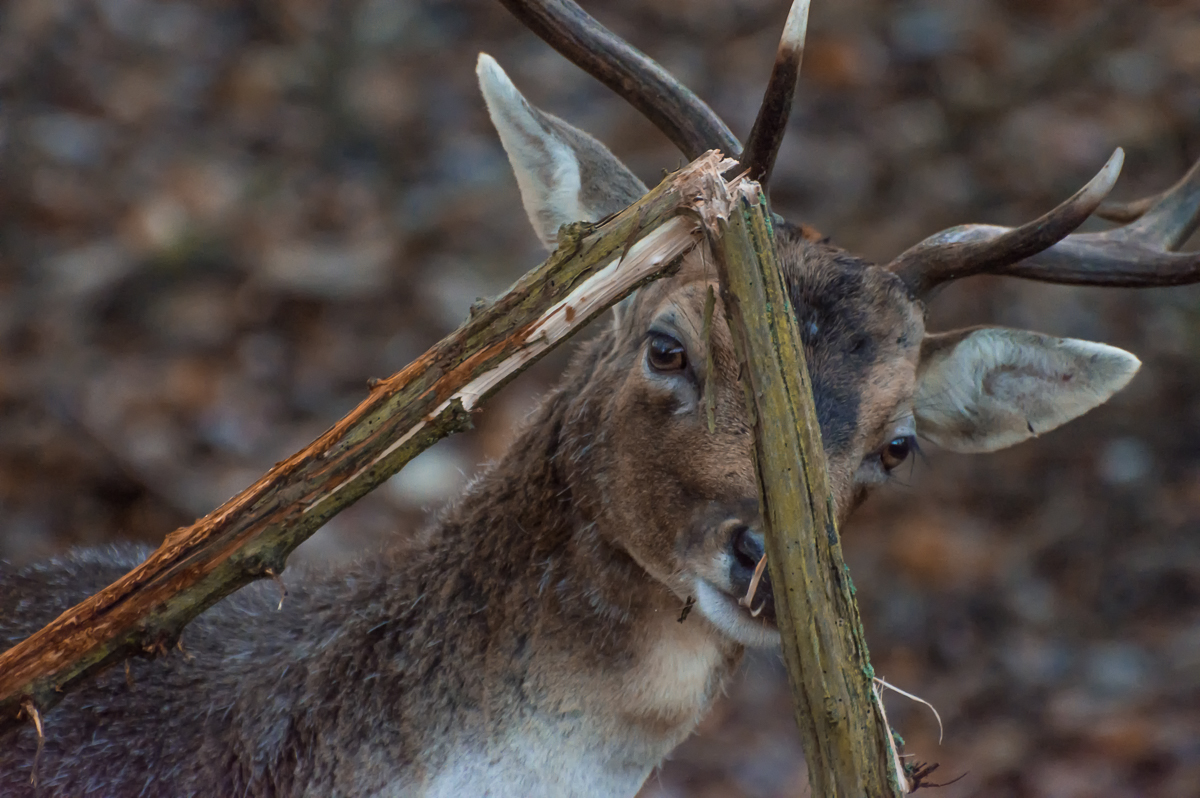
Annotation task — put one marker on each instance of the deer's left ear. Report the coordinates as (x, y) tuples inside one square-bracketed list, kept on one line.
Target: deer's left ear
[(984, 389)]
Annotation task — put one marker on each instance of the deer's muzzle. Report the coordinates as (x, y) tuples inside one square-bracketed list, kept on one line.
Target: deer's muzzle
[(748, 574)]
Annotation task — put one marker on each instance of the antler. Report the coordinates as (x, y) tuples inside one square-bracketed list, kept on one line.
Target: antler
[(685, 119), (979, 249), (771, 123), (1126, 212), (1138, 255)]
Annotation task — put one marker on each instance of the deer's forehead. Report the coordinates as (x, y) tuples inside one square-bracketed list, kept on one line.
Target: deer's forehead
[(845, 304), (862, 335)]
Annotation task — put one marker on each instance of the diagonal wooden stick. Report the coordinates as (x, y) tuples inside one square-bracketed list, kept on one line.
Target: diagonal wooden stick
[(251, 535)]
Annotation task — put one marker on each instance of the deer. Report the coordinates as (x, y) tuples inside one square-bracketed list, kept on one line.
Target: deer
[(538, 644)]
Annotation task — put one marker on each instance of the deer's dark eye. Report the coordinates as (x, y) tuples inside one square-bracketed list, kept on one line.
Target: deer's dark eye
[(665, 353), (896, 451)]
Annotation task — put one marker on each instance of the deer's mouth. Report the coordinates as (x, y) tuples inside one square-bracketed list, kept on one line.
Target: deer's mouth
[(743, 606), (748, 575)]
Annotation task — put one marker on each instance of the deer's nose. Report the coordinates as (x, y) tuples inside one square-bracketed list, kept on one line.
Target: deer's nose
[(748, 547)]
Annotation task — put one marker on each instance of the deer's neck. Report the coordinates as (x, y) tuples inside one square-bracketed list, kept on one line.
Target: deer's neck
[(541, 654)]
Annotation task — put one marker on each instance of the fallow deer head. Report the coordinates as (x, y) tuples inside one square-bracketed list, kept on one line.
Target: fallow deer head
[(681, 499)]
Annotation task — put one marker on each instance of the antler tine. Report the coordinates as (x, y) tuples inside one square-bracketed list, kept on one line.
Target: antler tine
[(1177, 210), (771, 123), (1171, 220), (1126, 212), (979, 249), (685, 119), (1141, 254)]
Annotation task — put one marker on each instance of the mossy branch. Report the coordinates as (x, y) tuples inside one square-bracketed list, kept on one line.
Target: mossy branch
[(846, 738), (251, 535)]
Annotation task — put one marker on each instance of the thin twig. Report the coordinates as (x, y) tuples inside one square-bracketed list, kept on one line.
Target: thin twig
[(687, 608), (710, 411), (918, 699), (32, 711), (748, 599)]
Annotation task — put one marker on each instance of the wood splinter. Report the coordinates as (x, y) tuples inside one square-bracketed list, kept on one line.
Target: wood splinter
[(155, 648), (30, 709), (282, 587), (747, 600)]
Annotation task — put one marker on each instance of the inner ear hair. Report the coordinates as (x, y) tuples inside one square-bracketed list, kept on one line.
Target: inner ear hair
[(986, 388), (564, 174)]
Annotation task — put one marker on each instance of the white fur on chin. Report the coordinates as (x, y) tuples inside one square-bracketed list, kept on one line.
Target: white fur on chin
[(732, 620)]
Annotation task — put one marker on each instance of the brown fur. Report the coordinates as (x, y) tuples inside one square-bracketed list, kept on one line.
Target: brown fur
[(534, 648), (547, 602)]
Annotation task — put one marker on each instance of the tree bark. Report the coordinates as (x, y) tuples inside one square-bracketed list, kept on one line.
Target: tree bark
[(251, 535), (846, 738)]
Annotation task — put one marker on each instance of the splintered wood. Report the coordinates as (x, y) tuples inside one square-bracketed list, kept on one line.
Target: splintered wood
[(251, 535), (846, 739), (747, 600)]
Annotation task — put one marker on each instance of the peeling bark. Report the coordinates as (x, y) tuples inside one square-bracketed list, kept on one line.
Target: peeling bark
[(846, 738)]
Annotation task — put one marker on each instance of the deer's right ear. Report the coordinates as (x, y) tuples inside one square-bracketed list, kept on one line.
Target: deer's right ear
[(564, 174)]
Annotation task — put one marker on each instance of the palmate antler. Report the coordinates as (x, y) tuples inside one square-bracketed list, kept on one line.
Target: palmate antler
[(1139, 254)]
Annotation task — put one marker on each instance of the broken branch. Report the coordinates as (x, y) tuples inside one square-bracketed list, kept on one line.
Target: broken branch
[(846, 738), (251, 535)]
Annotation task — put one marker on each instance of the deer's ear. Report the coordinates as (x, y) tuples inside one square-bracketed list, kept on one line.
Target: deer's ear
[(564, 174), (984, 389)]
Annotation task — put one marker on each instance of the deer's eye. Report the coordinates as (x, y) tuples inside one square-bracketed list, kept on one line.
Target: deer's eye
[(665, 354), (896, 451)]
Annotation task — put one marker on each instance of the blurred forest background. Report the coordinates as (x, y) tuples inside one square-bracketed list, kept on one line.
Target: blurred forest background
[(219, 219)]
